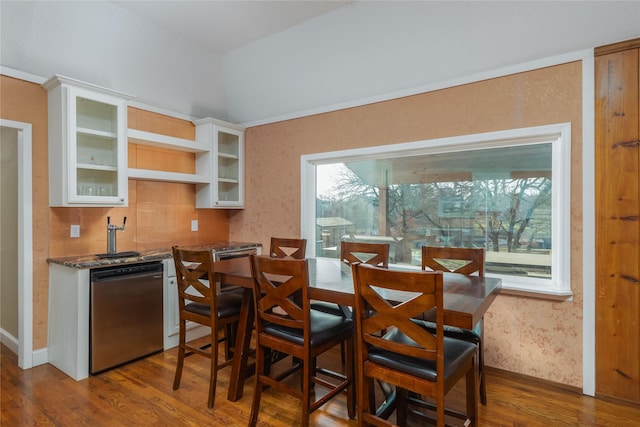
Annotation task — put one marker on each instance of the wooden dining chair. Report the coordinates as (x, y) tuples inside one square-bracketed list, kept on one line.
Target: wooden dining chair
[(394, 347), (368, 253), (199, 303), (286, 324), (288, 248), (350, 252), (467, 261)]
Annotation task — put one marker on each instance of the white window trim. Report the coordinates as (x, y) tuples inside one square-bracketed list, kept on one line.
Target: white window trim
[(559, 286)]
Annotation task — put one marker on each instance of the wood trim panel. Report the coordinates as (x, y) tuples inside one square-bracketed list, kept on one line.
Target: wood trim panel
[(617, 47), (617, 131)]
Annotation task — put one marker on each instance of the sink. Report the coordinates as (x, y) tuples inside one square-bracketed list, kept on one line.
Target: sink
[(128, 254)]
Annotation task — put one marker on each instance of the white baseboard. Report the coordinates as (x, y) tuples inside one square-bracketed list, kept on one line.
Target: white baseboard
[(39, 357), (9, 340)]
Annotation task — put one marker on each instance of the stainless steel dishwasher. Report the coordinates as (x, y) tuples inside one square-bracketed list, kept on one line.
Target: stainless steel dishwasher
[(125, 314)]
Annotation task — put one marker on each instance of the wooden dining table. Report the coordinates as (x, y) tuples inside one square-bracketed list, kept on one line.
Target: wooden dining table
[(466, 300)]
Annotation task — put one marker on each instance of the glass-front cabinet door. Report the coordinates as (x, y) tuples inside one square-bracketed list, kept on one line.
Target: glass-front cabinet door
[(228, 154), (87, 144), (224, 164)]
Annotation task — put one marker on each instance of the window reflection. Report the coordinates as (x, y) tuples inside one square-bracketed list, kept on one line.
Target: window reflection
[(497, 198)]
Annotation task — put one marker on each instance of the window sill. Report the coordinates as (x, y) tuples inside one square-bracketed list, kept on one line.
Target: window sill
[(512, 285), (520, 289)]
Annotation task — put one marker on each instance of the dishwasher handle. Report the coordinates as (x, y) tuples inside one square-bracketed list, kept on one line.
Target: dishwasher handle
[(104, 274)]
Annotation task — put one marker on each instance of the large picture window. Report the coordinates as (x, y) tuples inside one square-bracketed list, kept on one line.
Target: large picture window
[(506, 192)]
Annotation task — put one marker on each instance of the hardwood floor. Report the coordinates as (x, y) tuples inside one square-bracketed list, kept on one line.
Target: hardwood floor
[(140, 394)]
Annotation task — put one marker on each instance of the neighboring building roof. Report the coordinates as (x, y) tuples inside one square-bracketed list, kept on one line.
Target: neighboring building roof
[(332, 221)]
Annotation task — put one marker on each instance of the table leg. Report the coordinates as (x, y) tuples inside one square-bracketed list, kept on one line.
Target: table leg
[(242, 347)]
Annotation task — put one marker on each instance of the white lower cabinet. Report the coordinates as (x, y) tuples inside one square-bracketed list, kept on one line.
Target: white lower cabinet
[(68, 334)]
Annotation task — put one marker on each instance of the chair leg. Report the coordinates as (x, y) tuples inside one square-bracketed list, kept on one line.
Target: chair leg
[(371, 396), (472, 395), (312, 368), (260, 370), (213, 373), (181, 351), (483, 385), (230, 339), (440, 405), (308, 370), (351, 389), (401, 408)]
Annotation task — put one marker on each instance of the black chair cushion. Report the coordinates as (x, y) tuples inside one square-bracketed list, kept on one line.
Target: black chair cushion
[(228, 305), (331, 308), (456, 353), (324, 327), (326, 307), (471, 335)]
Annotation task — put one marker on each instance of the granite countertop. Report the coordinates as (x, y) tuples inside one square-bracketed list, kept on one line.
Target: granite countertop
[(94, 261)]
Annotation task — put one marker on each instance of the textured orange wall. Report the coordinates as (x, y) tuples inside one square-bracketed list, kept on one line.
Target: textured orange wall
[(159, 214), (526, 335)]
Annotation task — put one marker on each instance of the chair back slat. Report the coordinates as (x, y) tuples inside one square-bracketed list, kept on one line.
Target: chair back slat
[(288, 248), (376, 315), (280, 288), (195, 276), (465, 261), (368, 253)]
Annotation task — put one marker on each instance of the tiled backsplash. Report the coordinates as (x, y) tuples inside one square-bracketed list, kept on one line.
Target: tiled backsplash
[(159, 215)]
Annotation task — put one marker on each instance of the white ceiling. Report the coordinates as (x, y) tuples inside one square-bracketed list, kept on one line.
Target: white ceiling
[(221, 26)]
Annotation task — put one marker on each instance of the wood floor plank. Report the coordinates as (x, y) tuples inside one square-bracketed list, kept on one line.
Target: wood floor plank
[(141, 394)]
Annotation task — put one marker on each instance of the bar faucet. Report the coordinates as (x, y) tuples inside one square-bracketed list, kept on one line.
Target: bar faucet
[(111, 235)]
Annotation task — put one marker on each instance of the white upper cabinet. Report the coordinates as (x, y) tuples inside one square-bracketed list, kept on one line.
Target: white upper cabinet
[(224, 164), (87, 144)]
